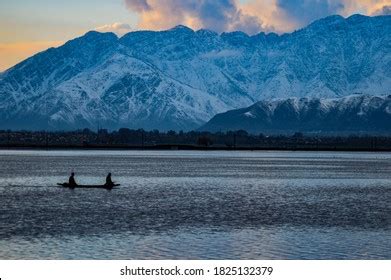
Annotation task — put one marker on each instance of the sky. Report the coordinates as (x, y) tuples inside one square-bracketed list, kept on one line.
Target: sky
[(30, 26)]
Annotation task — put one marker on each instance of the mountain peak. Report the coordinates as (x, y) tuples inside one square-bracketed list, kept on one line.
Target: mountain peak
[(97, 34), (358, 16), (327, 21), (181, 28), (236, 34), (206, 32)]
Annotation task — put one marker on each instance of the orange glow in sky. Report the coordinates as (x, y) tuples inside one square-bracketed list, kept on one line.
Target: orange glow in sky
[(31, 26)]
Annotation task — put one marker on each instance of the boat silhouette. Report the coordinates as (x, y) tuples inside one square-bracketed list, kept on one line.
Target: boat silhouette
[(109, 187)]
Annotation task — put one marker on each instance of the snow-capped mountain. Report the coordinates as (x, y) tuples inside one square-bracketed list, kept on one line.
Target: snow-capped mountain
[(354, 113), (180, 78)]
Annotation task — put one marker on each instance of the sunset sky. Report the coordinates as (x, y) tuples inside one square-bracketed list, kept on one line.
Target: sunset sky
[(30, 26)]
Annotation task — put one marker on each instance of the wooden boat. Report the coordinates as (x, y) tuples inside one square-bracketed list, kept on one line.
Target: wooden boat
[(107, 187)]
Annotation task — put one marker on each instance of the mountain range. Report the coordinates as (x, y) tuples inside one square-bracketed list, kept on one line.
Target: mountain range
[(180, 78), (354, 114)]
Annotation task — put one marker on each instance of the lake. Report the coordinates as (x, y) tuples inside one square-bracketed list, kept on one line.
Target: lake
[(196, 205)]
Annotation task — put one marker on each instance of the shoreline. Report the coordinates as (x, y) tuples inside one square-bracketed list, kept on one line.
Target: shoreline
[(180, 147)]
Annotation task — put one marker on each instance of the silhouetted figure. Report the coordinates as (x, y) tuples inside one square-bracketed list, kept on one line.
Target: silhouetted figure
[(109, 182), (72, 182)]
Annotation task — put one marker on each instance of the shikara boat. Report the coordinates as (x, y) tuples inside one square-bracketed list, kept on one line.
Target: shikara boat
[(107, 187)]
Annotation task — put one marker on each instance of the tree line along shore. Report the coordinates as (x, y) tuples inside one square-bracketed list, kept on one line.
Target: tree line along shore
[(194, 140)]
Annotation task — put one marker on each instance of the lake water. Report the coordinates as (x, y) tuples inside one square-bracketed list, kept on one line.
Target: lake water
[(196, 205)]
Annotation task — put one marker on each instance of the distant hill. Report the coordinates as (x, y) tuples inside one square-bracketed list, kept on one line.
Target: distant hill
[(180, 78), (352, 114)]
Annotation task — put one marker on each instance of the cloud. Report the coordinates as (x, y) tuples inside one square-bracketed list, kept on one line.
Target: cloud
[(272, 17), (118, 28), (138, 5), (13, 53), (251, 16), (385, 11), (367, 7), (306, 11), (217, 15)]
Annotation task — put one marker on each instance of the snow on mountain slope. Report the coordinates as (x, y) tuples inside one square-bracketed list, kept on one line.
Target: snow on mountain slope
[(125, 91), (355, 113), (180, 78)]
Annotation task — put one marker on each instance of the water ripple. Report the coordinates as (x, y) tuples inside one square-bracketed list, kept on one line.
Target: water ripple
[(182, 205)]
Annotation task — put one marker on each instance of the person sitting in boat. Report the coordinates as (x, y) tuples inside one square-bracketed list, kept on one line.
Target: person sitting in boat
[(109, 182), (72, 181)]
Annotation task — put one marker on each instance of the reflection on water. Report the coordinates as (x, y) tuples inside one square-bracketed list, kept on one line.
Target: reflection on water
[(196, 205)]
